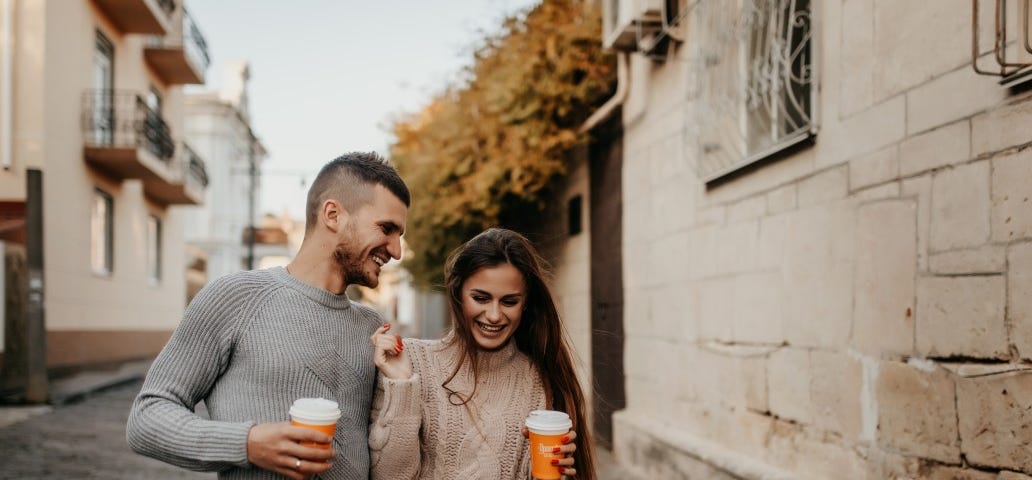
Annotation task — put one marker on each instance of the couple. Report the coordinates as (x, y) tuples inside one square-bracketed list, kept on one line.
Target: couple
[(252, 342)]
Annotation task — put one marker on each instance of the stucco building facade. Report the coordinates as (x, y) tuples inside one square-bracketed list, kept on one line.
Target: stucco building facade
[(218, 125), (92, 98)]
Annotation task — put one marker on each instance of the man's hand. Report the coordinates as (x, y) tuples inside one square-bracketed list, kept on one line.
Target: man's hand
[(389, 355), (275, 447)]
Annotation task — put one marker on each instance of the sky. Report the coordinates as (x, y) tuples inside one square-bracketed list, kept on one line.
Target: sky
[(327, 76)]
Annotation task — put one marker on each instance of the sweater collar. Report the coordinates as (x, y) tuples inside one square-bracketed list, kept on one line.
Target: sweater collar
[(317, 294), (495, 359)]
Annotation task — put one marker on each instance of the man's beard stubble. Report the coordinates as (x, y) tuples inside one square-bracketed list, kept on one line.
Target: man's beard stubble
[(351, 267)]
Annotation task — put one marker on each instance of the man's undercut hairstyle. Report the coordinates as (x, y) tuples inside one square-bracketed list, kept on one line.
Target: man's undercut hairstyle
[(350, 179)]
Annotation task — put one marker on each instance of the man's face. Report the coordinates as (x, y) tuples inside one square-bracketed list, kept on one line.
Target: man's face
[(370, 238)]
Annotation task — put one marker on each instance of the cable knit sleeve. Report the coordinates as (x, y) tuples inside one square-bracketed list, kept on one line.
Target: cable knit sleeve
[(394, 424)]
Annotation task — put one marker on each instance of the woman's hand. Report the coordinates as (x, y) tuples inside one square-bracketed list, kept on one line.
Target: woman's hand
[(566, 464), (389, 354)]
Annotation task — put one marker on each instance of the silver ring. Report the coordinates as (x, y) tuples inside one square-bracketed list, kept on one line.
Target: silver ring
[(297, 464)]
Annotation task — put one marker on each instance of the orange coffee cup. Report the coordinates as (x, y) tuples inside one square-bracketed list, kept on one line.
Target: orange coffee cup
[(547, 428), (315, 413)]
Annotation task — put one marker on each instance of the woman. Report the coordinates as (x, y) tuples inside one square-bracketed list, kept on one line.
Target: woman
[(454, 408)]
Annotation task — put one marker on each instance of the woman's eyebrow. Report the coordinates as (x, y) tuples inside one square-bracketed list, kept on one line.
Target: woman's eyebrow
[(483, 292)]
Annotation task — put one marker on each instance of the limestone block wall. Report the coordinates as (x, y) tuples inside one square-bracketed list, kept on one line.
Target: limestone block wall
[(859, 309)]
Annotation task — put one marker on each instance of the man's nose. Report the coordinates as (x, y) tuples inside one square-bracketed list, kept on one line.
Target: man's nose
[(394, 248)]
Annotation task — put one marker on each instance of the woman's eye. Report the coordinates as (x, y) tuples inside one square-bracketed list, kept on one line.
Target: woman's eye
[(480, 299), (510, 303)]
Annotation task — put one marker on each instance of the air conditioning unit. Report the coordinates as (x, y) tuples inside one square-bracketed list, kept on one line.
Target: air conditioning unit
[(626, 21)]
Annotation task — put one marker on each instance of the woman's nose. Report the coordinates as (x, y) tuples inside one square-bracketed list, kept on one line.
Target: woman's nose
[(493, 312)]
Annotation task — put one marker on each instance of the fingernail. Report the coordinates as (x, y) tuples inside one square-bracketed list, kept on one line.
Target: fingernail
[(565, 439), (386, 325), (562, 470), (555, 461), (556, 449)]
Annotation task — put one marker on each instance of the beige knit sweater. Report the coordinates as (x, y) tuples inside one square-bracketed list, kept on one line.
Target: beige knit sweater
[(415, 432)]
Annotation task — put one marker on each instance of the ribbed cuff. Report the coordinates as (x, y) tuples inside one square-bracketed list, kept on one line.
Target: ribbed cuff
[(400, 399), (236, 438)]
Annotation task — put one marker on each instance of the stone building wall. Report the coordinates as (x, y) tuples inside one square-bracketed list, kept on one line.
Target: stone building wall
[(861, 308)]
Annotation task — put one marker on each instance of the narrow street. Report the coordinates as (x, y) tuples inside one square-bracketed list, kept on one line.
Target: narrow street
[(82, 440), (86, 440)]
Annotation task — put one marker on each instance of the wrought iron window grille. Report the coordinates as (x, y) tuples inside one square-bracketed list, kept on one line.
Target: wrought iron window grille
[(754, 91), (1013, 63)]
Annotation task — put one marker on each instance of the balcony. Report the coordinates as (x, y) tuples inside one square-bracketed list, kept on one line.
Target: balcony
[(190, 181), (138, 16), (124, 139), (181, 57)]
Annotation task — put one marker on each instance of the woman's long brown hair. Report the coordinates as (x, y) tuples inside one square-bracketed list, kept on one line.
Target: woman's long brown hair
[(540, 335)]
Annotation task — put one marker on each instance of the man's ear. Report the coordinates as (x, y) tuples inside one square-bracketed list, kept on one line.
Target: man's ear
[(333, 215)]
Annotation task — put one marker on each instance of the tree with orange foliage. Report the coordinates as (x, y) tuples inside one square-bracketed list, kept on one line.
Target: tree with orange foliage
[(487, 149)]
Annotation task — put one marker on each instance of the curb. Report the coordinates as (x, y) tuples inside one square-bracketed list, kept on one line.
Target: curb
[(74, 387)]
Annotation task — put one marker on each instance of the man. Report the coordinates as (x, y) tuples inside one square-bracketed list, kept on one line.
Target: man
[(251, 343)]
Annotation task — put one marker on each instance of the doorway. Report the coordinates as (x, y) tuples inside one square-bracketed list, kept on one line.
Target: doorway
[(607, 338)]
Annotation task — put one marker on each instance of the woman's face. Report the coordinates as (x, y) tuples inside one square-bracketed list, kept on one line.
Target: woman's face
[(492, 304)]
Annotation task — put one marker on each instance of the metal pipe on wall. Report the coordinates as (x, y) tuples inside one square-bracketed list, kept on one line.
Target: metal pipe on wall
[(36, 390), (6, 85), (623, 85)]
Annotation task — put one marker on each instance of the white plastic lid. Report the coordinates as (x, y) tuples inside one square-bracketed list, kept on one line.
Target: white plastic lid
[(549, 422), (318, 410)]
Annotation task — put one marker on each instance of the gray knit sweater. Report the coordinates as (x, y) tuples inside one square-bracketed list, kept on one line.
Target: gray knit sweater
[(250, 344)]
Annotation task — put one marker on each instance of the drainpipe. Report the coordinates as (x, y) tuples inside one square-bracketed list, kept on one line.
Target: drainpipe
[(622, 87), (252, 190), (7, 73)]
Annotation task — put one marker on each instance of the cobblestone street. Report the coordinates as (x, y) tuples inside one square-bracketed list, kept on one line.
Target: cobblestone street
[(82, 440), (86, 440)]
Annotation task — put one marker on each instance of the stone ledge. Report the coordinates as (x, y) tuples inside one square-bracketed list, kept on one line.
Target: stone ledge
[(718, 461)]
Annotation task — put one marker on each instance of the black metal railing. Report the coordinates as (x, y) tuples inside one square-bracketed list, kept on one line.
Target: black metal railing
[(195, 170), (112, 118), (194, 44), (167, 6)]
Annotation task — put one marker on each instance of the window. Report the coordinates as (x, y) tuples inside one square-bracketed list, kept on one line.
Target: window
[(574, 212), (103, 118), (755, 82), (153, 249), (102, 233)]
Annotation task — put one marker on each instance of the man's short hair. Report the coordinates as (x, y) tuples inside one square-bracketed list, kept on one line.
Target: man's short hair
[(349, 179)]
